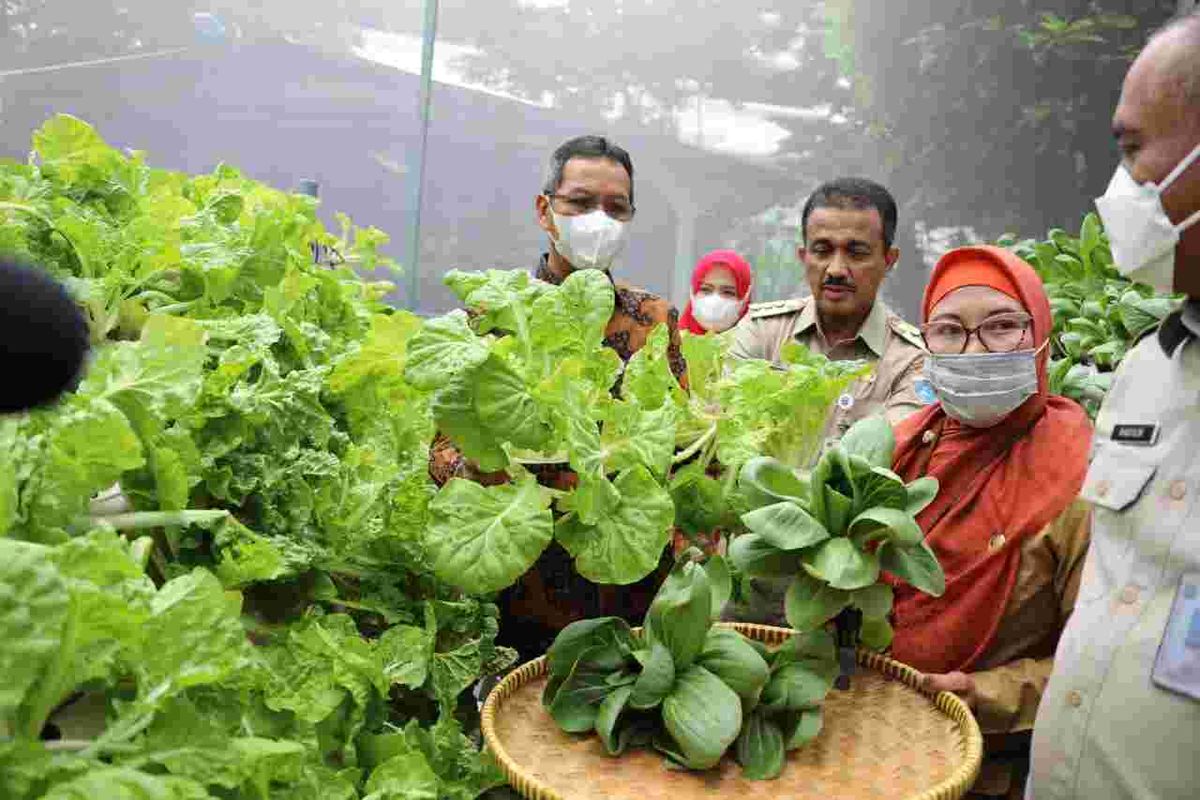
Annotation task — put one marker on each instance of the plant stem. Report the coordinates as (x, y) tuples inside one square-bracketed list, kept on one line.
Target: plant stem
[(696, 446), (140, 520), (67, 745)]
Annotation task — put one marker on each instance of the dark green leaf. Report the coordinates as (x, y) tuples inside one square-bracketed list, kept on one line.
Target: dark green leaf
[(785, 525), (584, 635), (608, 716), (814, 645), (802, 727), (889, 524), (920, 494), (798, 685), (729, 656), (755, 557), (875, 601), (576, 703), (760, 749), (1089, 234), (879, 488), (838, 511), (720, 582), (703, 716), (765, 481), (842, 565), (681, 613), (916, 565), (876, 633), (810, 602), (656, 679), (872, 439)]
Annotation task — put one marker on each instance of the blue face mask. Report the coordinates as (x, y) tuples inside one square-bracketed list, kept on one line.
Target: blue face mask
[(981, 389)]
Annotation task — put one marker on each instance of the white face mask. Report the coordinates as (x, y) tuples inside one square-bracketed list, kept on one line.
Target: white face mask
[(1142, 237), (981, 389), (589, 241), (714, 312)]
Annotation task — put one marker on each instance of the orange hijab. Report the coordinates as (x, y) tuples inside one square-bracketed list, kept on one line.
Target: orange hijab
[(1009, 480)]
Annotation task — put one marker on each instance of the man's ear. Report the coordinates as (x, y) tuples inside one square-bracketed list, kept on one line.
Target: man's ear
[(545, 221), (893, 255), (801, 253)]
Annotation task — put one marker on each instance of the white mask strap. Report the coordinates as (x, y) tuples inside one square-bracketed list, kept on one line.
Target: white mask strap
[(1179, 168), (1189, 222)]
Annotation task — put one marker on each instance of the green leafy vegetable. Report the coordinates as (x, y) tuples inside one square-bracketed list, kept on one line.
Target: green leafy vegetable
[(703, 717), (854, 521), (483, 539), (689, 688), (269, 604), (528, 378)]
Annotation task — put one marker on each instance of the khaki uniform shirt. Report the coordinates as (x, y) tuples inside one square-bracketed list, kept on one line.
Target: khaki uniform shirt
[(892, 345), (1104, 728)]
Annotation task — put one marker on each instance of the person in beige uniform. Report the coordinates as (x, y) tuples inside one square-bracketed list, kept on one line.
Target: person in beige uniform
[(849, 226), (1120, 717)]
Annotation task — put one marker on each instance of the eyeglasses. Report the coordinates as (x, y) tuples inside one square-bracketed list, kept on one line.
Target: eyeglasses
[(1000, 334), (618, 208)]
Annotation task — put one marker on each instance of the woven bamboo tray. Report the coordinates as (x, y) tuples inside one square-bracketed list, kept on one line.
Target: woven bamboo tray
[(884, 737)]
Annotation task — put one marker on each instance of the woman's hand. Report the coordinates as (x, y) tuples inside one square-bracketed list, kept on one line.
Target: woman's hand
[(960, 683)]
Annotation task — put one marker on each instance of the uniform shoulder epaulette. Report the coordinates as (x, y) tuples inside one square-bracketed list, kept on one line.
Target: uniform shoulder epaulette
[(775, 308), (907, 331)]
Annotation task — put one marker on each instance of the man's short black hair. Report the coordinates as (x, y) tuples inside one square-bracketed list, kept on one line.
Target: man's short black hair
[(585, 147), (856, 193)]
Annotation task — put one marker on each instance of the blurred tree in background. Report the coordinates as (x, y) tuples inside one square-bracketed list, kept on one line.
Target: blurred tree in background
[(989, 116), (979, 116)]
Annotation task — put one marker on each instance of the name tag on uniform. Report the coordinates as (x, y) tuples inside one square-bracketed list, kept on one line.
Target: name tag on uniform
[(1144, 435), (1177, 665)]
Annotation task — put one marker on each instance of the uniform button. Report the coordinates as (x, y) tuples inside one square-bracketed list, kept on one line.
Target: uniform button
[(996, 542), (1178, 490), (929, 437), (1074, 699), (1129, 595), (1102, 488)]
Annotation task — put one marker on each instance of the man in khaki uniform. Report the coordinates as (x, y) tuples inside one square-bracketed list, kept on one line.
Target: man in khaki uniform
[(1120, 717), (849, 226)]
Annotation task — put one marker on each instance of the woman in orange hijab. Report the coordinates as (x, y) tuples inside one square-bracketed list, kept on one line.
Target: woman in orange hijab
[(1010, 459)]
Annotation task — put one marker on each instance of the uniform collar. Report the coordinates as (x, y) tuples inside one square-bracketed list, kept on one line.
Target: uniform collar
[(873, 332), (1179, 327)]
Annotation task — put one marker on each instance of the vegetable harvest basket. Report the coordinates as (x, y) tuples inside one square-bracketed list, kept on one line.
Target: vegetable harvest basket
[(884, 737)]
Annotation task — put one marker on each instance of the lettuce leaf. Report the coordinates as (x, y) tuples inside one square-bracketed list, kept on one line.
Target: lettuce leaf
[(484, 538), (626, 544)]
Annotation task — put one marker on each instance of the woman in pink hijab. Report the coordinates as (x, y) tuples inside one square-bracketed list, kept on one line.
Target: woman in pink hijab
[(721, 284)]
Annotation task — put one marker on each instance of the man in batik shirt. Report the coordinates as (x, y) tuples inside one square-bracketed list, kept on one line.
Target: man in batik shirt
[(585, 208)]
